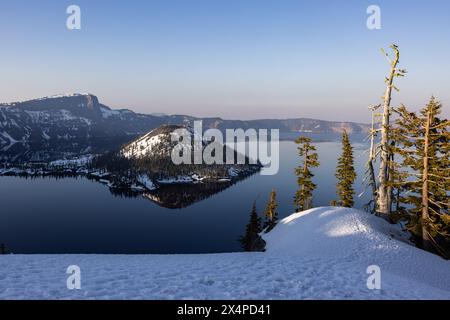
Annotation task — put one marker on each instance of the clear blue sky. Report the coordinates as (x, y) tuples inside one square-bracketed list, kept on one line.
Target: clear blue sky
[(232, 58)]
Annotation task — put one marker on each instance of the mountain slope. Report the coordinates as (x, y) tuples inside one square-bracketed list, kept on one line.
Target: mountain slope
[(156, 141), (322, 253), (79, 121)]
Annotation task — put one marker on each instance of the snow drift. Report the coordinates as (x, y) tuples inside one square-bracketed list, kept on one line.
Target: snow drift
[(322, 253)]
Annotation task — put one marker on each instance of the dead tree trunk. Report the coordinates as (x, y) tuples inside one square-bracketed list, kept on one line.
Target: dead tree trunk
[(372, 156), (384, 194)]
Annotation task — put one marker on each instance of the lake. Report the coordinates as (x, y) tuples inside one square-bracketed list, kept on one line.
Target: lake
[(77, 215)]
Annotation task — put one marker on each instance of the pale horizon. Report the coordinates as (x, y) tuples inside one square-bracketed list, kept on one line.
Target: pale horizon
[(233, 60)]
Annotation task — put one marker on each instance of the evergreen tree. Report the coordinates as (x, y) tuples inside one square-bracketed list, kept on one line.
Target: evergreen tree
[(271, 214), (398, 182), (252, 231), (345, 173), (304, 195), (423, 144)]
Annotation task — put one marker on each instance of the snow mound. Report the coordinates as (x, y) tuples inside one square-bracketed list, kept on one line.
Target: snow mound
[(330, 231), (344, 234), (321, 253)]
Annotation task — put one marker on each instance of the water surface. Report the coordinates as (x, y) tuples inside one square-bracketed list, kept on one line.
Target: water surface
[(77, 215)]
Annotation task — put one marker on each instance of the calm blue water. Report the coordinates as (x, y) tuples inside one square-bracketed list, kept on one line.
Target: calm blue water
[(76, 215)]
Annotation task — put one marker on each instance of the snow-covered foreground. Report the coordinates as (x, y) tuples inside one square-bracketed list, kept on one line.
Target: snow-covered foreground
[(321, 253)]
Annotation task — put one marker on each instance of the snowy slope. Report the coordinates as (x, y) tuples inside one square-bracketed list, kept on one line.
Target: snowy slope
[(143, 146), (156, 141), (321, 253)]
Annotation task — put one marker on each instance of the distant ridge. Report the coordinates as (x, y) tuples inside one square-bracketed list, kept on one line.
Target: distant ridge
[(79, 119)]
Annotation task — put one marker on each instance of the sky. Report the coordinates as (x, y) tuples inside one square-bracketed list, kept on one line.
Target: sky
[(237, 59)]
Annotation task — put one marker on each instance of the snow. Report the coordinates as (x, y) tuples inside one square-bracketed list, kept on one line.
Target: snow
[(178, 179), (198, 178), (63, 115), (146, 182), (45, 135), (322, 253), (37, 116), (106, 113), (15, 171), (77, 162), (98, 174), (7, 136), (14, 123), (143, 145), (137, 188), (233, 172), (65, 95), (150, 142), (66, 115)]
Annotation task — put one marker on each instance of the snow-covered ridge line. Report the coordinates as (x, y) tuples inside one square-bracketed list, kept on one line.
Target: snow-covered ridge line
[(55, 96), (66, 95)]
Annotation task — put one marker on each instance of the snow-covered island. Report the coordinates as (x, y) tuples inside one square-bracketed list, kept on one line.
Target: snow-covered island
[(143, 167), (146, 165), (323, 253)]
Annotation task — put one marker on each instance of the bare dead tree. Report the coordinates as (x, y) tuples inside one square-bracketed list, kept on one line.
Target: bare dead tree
[(384, 191), (370, 171)]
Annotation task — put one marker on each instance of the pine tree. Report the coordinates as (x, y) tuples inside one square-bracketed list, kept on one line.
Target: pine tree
[(252, 230), (424, 146), (345, 173), (304, 195), (398, 182), (271, 214)]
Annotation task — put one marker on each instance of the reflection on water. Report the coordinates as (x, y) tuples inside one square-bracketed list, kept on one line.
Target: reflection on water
[(178, 196), (77, 215)]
